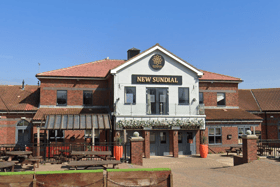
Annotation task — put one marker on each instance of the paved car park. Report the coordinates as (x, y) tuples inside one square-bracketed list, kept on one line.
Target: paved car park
[(215, 170)]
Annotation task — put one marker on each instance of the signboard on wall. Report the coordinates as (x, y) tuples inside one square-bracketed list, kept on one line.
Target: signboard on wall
[(156, 79)]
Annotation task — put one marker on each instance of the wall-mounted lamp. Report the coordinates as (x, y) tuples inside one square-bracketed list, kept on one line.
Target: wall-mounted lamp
[(271, 116), (229, 136)]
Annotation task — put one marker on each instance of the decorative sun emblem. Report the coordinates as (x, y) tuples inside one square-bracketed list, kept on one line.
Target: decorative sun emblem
[(157, 59)]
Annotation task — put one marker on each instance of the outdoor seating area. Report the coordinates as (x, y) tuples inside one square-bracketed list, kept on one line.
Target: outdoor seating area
[(234, 149), (75, 155)]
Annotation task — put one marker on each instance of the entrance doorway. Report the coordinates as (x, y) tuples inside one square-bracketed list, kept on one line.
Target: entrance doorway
[(159, 143), (186, 143), (23, 133)]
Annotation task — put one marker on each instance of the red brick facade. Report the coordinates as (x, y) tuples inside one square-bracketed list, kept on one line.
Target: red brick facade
[(210, 98), (75, 89)]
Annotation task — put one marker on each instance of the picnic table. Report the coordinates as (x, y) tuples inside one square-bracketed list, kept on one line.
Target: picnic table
[(63, 155), (92, 163), (24, 157), (234, 149), (5, 165), (78, 155)]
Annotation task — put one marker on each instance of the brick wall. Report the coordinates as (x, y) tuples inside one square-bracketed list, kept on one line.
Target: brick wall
[(136, 151), (74, 97), (269, 126), (147, 144), (175, 148), (210, 98), (8, 124)]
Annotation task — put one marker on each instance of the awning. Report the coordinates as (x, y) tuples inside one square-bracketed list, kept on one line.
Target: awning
[(77, 122)]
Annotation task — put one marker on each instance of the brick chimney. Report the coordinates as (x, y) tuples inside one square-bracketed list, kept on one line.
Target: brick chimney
[(132, 52)]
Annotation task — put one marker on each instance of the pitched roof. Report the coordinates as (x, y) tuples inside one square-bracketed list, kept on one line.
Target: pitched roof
[(229, 114), (13, 98), (215, 76), (268, 99), (98, 68), (162, 49), (40, 115), (247, 101)]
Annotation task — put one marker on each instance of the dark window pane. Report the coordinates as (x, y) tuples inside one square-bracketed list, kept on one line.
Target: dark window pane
[(221, 99), (61, 97), (162, 137), (183, 95), (59, 134), (180, 137), (201, 98), (218, 139), (130, 95), (52, 133), (88, 96), (211, 140)]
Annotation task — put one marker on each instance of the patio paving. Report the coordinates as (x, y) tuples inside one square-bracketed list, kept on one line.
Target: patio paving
[(215, 170)]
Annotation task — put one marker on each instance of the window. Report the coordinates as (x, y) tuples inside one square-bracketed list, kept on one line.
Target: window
[(242, 131), (157, 101), (221, 99), (87, 99), (163, 137), (61, 97), (215, 135), (56, 135), (201, 98), (130, 95), (23, 123), (96, 135), (152, 138), (183, 96), (180, 137)]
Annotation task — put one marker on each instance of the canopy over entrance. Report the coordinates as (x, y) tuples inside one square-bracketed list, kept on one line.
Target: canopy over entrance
[(77, 122)]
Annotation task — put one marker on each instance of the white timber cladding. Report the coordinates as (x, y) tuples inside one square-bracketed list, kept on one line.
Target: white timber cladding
[(123, 78)]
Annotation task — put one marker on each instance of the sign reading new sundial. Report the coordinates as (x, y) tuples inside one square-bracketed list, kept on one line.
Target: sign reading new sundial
[(156, 62)]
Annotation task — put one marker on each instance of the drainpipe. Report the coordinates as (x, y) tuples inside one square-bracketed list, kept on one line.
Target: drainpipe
[(265, 117)]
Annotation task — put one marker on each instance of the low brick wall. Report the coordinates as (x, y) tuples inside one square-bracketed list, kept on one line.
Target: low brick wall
[(237, 160), (139, 177), (111, 177)]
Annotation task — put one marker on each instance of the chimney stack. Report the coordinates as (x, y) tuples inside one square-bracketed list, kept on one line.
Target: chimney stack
[(22, 87), (132, 52)]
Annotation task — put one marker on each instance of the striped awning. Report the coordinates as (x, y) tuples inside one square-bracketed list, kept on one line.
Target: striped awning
[(77, 122)]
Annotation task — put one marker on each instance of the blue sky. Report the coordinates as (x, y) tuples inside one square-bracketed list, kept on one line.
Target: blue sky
[(234, 37)]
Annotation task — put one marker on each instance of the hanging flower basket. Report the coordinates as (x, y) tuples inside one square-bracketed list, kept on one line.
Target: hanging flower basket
[(167, 123)]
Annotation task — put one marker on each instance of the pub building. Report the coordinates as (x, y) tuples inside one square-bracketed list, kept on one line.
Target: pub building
[(167, 100)]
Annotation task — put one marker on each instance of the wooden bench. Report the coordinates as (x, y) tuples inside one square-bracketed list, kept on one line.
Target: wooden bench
[(86, 164), (233, 151), (32, 160)]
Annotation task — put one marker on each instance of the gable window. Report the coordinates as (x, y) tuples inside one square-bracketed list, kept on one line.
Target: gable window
[(56, 135), (221, 99), (201, 98), (87, 98), (183, 96), (61, 97), (215, 135), (129, 95)]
